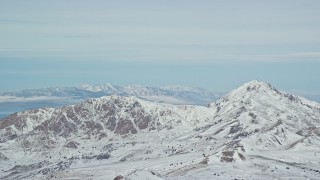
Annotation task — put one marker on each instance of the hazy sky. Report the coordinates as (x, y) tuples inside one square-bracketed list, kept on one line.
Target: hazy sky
[(215, 44)]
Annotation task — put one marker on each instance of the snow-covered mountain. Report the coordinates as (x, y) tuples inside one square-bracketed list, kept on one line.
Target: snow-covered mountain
[(169, 94), (174, 94), (253, 132), (11, 102)]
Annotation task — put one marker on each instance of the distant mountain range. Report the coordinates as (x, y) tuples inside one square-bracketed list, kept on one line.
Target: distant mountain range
[(253, 132), (11, 102)]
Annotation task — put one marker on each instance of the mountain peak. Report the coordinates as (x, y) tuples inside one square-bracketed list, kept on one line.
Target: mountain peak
[(256, 85), (261, 92), (252, 88), (256, 82), (97, 88), (254, 94)]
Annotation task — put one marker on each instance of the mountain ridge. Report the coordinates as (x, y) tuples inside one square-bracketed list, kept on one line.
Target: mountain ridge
[(11, 102), (253, 124)]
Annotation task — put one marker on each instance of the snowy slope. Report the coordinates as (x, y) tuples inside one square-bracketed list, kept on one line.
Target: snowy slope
[(253, 132), (257, 106), (258, 116)]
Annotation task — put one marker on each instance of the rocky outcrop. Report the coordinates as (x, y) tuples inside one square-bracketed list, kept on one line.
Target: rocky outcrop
[(94, 118)]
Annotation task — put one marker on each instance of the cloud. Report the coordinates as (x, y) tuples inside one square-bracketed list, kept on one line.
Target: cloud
[(166, 31), (302, 55), (165, 54), (290, 57)]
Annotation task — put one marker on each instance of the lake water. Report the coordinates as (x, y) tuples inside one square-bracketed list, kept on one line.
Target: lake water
[(9, 108), (3, 115)]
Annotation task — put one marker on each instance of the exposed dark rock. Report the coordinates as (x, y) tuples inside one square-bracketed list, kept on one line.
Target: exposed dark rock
[(205, 161), (71, 115), (103, 156), (72, 144), (111, 123), (125, 127), (240, 135), (24, 168), (235, 129), (228, 153), (25, 144), (125, 158), (3, 157), (227, 156), (118, 177), (142, 122), (15, 119), (108, 147), (82, 111), (61, 166), (251, 114), (218, 131), (241, 156)]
